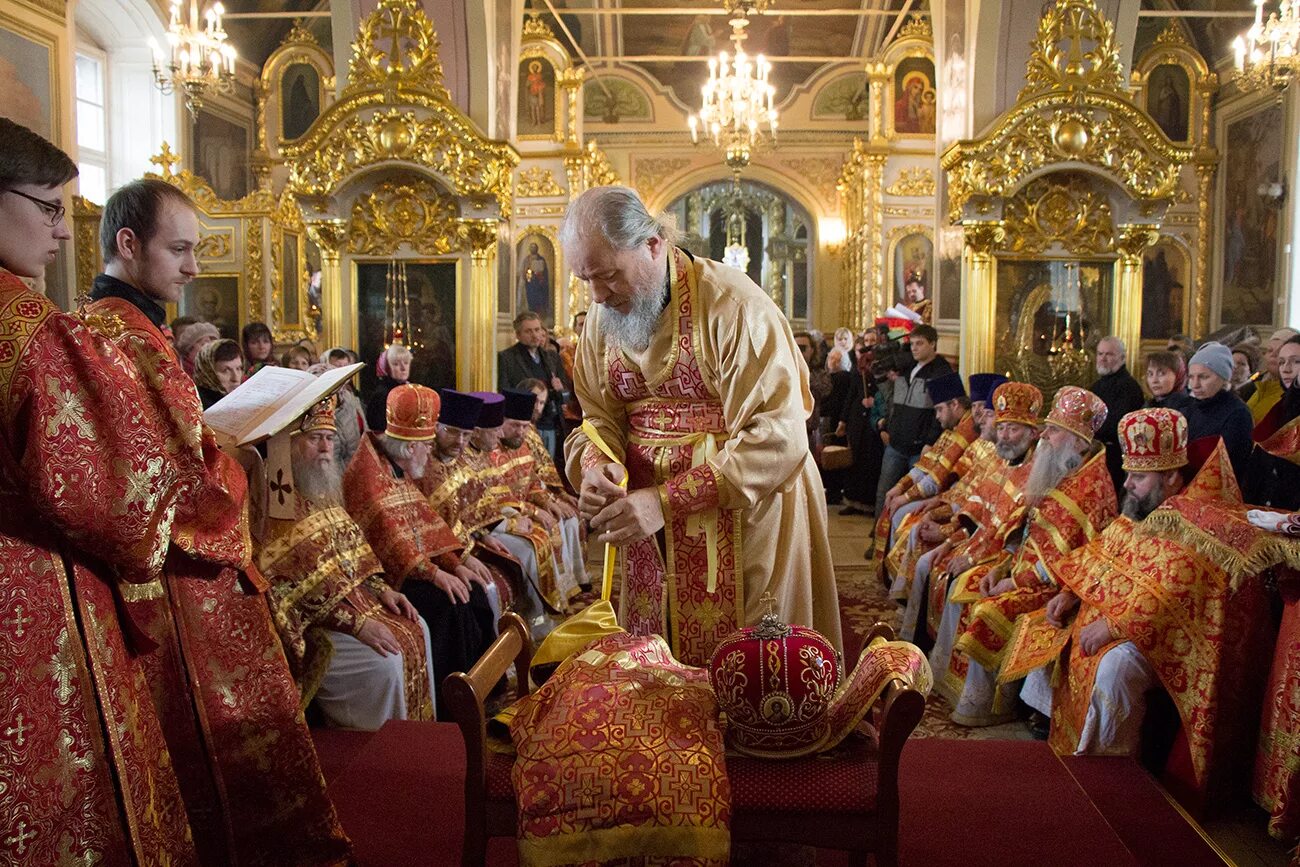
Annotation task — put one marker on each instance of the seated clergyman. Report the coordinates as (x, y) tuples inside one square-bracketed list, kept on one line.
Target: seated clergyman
[(421, 556), (356, 646)]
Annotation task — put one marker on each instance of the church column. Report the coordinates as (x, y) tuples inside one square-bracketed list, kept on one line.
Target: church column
[(979, 294), (569, 81), (1207, 163), (475, 354), (330, 235), (1126, 309)]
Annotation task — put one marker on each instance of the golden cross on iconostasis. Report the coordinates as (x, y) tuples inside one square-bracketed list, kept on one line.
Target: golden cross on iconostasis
[(166, 160)]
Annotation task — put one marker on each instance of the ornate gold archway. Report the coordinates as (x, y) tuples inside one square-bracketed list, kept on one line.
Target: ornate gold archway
[(395, 169), (1074, 116)]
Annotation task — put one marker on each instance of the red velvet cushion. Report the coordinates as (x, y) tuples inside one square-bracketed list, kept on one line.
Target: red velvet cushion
[(499, 787), (843, 781)]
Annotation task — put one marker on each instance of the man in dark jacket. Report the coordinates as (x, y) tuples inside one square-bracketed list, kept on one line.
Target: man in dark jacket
[(1122, 395), (530, 359), (911, 425)]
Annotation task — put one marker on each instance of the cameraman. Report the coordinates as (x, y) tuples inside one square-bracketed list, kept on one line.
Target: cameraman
[(911, 425), (530, 358)]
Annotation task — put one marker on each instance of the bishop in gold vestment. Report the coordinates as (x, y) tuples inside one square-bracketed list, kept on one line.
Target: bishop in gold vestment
[(709, 416)]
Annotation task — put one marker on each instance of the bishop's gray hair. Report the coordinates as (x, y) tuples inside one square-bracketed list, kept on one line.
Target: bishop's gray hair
[(617, 215), (395, 449)]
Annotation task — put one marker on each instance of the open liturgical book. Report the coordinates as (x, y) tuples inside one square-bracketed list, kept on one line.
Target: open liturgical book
[(271, 400)]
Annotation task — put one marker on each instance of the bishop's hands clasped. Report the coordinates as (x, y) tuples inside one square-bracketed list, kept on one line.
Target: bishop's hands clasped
[(618, 516)]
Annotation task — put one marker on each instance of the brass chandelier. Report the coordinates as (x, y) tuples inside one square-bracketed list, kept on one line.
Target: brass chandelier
[(202, 62), (1268, 54), (736, 112)]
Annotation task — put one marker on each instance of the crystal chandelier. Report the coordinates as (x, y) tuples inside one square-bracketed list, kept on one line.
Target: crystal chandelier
[(201, 61), (737, 98), (1268, 54)]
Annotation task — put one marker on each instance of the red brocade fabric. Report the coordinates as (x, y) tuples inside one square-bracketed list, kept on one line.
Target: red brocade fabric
[(72, 442), (228, 704)]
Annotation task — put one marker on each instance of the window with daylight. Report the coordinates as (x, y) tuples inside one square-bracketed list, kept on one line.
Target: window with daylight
[(92, 125)]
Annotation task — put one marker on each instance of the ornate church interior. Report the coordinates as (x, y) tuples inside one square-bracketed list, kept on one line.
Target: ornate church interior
[(1021, 184)]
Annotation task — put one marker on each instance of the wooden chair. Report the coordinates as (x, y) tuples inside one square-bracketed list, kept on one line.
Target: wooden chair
[(846, 799)]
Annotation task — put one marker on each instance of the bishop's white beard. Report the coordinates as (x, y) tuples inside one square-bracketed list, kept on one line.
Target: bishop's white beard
[(633, 330), (321, 485), (1049, 468)]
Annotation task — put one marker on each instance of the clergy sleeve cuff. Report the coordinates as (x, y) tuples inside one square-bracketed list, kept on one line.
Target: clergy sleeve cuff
[(448, 562), (592, 457), (695, 490)]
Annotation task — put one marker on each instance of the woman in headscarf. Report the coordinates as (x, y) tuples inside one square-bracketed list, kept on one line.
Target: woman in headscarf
[(350, 417), (192, 339), (218, 370)]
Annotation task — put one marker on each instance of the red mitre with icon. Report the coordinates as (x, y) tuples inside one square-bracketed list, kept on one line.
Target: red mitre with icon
[(412, 413), (1018, 402), (1078, 411), (1153, 440)]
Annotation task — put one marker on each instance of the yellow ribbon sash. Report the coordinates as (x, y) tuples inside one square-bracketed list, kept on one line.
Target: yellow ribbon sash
[(607, 580)]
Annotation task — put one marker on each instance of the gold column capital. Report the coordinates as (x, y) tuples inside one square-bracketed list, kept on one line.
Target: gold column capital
[(982, 237), (1131, 239), (329, 233)]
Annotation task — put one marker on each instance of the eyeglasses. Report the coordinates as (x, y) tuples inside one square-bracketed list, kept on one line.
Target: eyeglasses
[(53, 210)]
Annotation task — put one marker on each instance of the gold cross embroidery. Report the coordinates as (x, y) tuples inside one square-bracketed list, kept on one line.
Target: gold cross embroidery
[(692, 486)]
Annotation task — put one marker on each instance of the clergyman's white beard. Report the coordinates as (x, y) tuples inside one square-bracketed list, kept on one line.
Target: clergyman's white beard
[(1050, 466), (634, 329), (321, 485)]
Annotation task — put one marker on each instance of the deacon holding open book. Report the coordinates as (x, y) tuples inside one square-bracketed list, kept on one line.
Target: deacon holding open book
[(227, 703)]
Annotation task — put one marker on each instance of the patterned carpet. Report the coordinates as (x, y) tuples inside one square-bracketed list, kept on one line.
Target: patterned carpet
[(863, 603)]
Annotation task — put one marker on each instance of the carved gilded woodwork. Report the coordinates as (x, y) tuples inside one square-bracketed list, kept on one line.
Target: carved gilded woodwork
[(216, 245), (88, 255), (861, 189), (589, 168), (536, 183), (1074, 108), (1064, 209), (298, 47), (917, 181), (397, 109), (412, 212)]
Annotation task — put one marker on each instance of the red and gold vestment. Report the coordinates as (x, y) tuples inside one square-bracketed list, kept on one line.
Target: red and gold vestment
[(1069, 517), (403, 530), (941, 463), (593, 790), (85, 773), (1277, 761), (324, 576), (709, 416), (1183, 586), (247, 766)]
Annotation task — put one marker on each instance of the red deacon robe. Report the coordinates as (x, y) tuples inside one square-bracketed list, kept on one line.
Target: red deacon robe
[(228, 704), (85, 775)]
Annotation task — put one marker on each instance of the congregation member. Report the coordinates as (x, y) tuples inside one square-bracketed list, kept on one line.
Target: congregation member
[(178, 326), (713, 453), (857, 426), (531, 358), (350, 417), (1245, 365), (420, 555), (192, 340), (393, 368), (1217, 412), (297, 358), (1287, 407), (358, 648), (258, 347), (1167, 381), (912, 425), (1266, 390), (241, 808), (1069, 500), (1167, 596), (218, 370), (1120, 392)]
